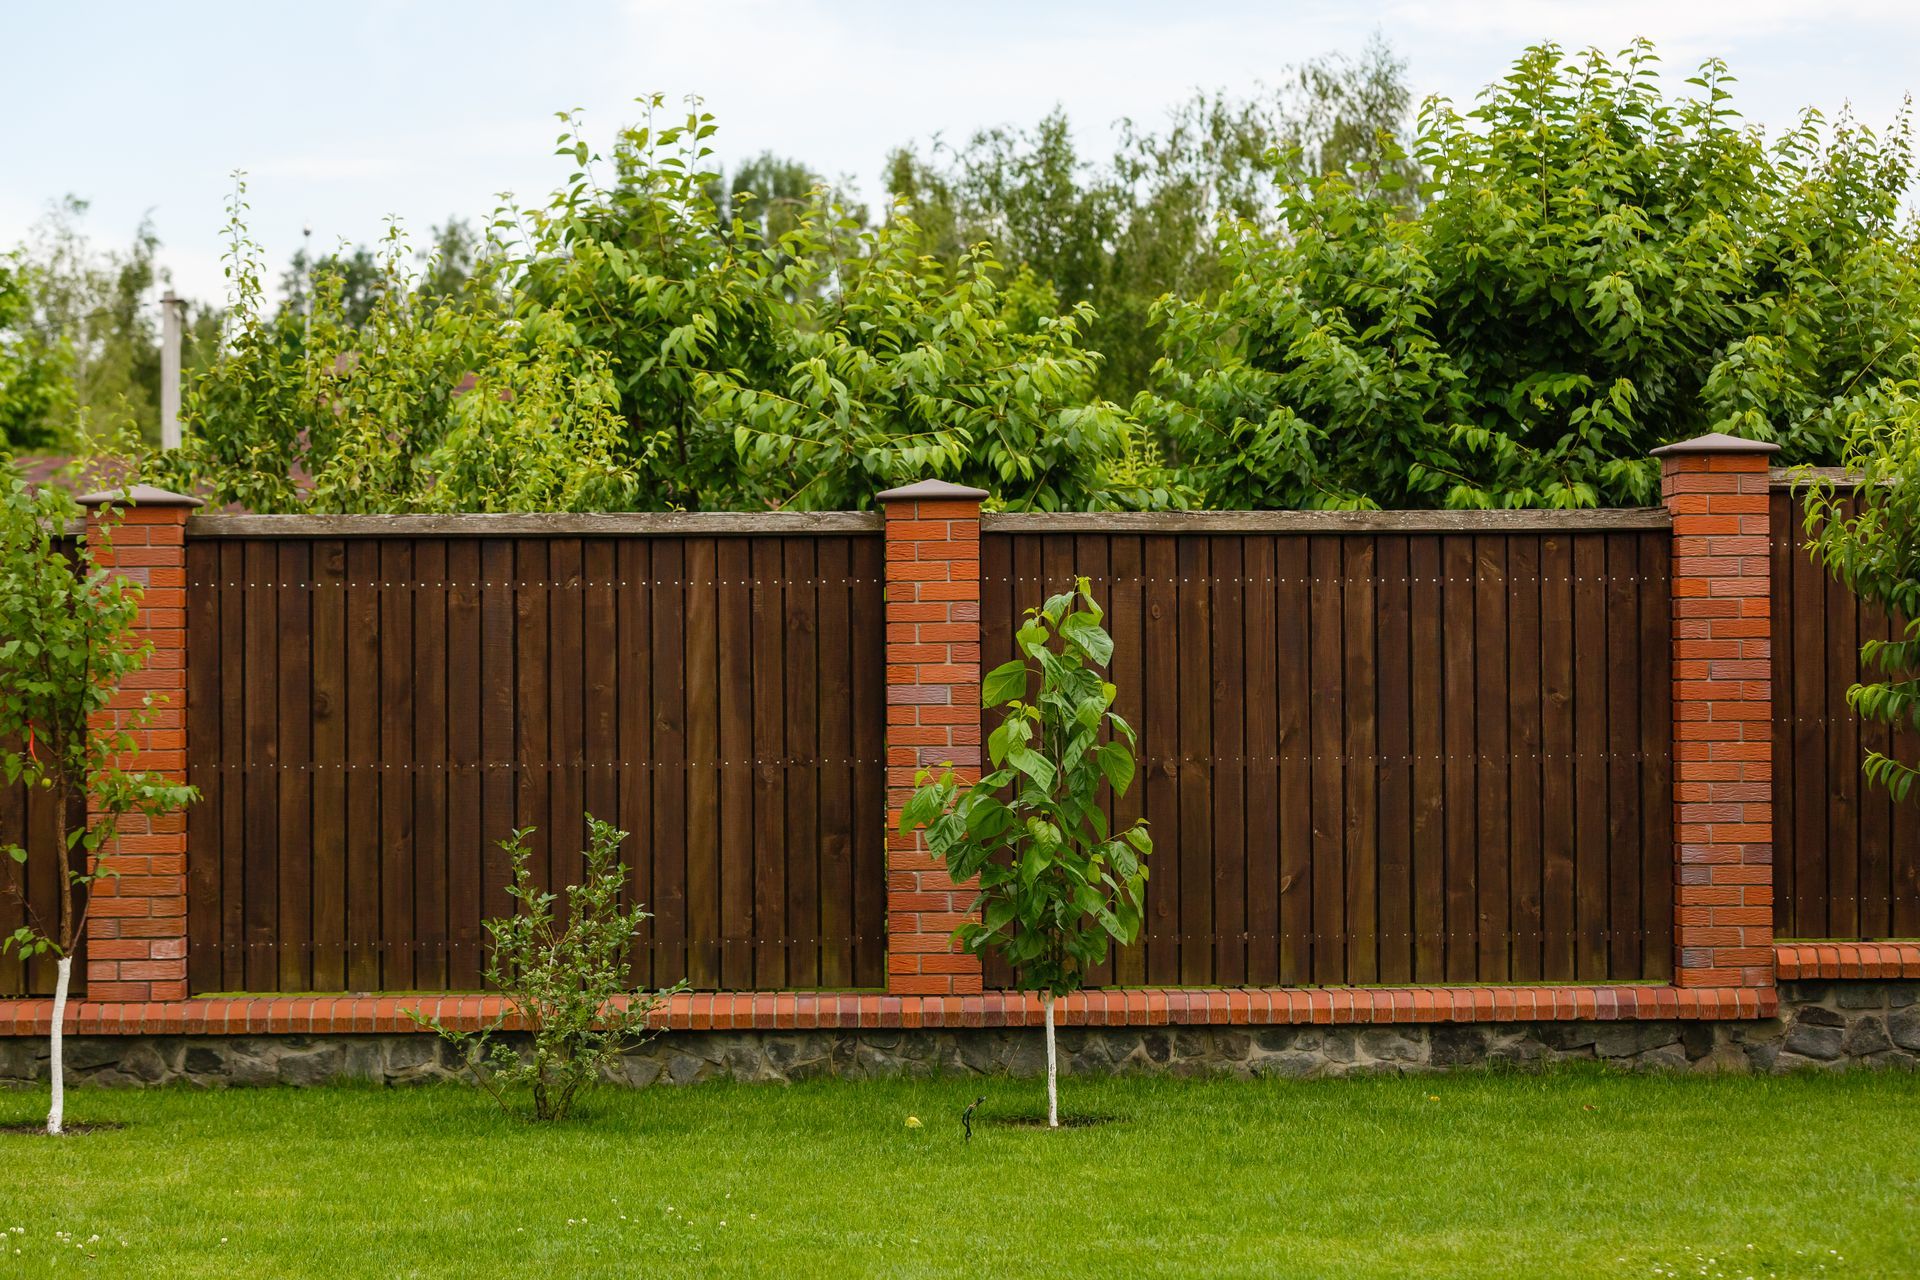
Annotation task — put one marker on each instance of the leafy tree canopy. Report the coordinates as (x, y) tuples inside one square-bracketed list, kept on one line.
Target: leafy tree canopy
[(1597, 268)]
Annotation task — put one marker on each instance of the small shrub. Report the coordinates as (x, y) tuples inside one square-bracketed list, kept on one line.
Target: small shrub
[(566, 985)]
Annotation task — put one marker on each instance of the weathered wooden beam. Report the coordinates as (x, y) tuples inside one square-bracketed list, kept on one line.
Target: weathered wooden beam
[(666, 524), (1325, 522)]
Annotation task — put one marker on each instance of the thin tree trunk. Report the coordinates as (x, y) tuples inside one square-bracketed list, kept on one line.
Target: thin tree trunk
[(63, 970), (1053, 1080)]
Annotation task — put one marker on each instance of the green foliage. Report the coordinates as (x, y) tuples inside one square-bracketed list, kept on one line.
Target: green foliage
[(565, 980), (1869, 539), (430, 404), (34, 385), (66, 647), (1597, 269), (1057, 886)]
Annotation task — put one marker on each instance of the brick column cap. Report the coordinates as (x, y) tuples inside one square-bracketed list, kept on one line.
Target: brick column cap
[(1716, 442), (139, 495), (930, 489)]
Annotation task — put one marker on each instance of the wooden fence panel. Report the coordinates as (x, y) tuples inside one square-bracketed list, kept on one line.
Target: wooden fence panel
[(1846, 858), (1384, 756), (372, 715)]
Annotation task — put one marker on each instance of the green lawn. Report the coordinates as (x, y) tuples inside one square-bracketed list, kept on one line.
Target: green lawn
[(1571, 1173)]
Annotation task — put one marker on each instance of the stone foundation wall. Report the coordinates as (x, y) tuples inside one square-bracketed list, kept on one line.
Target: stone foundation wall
[(1821, 1026)]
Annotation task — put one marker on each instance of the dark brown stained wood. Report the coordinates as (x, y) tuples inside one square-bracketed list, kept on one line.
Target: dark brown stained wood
[(468, 842), (669, 854), (1459, 750), (734, 696), (600, 579), (1326, 725), (1843, 770), (1875, 834), (397, 692), (330, 816), (1559, 821), (769, 780), (1627, 871), (295, 838), (363, 667), (1806, 677), (1089, 557), (867, 620), (1259, 695), (1426, 668), (1360, 701), (1160, 739), (638, 775), (233, 752), (1656, 755), (1493, 693), (430, 666), (1189, 524), (799, 752), (1523, 748), (262, 694), (566, 712), (702, 658), (499, 739), (527, 525), (1195, 763), (836, 771), (203, 771), (1293, 661), (1392, 683), (1780, 544), (1591, 863), (1228, 697), (534, 749)]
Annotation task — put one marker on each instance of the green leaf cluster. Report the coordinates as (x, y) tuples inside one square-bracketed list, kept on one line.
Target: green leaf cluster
[(1058, 886)]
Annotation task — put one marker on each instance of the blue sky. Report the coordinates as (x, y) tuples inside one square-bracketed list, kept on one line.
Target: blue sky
[(345, 112)]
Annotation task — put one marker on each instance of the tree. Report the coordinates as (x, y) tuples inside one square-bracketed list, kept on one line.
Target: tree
[(34, 384), (1596, 269), (67, 647), (1057, 885), (1869, 539)]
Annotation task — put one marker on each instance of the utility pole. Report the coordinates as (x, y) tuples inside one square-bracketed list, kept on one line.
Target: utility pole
[(171, 309)]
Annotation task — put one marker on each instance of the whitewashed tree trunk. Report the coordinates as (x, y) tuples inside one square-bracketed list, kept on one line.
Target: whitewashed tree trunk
[(1053, 1079), (63, 971)]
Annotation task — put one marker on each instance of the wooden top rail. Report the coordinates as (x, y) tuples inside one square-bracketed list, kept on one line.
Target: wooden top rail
[(1327, 522), (668, 524), (1797, 477)]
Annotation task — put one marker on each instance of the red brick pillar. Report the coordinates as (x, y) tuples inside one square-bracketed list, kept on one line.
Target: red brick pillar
[(933, 717), (1716, 489), (137, 923)]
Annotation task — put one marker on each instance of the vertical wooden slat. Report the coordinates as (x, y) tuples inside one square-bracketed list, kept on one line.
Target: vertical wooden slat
[(1781, 541), (1195, 766), (1627, 871), (836, 768), (1462, 895), (263, 971), (363, 666), (638, 774), (1393, 675), (669, 852), (1842, 805), (1293, 664), (867, 621), (1261, 692), (1326, 721), (397, 691), (734, 694), (566, 710), (1360, 695), (500, 616), (331, 819), (1427, 681), (1592, 897), (533, 723), (293, 600), (1090, 559), (600, 654), (801, 766), (1229, 694), (1558, 867), (1160, 735), (204, 938), (470, 657), (1524, 747), (1810, 749), (1656, 754), (1493, 691), (432, 658), (769, 779)]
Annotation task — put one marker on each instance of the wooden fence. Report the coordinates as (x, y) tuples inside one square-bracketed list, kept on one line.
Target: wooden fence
[(1398, 753), (369, 715), (1846, 857)]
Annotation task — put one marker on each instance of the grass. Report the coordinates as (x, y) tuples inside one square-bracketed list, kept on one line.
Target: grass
[(1569, 1173)]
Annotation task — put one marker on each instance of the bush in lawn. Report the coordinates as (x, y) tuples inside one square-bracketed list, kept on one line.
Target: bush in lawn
[(66, 644), (566, 983), (1056, 885)]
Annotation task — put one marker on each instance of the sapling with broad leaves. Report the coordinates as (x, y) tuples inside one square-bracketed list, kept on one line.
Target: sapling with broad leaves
[(565, 980), (67, 644), (1058, 886)]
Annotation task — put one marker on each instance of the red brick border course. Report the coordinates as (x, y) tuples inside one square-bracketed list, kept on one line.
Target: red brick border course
[(1717, 488), (137, 921), (1237, 1006), (1801, 960), (933, 718)]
